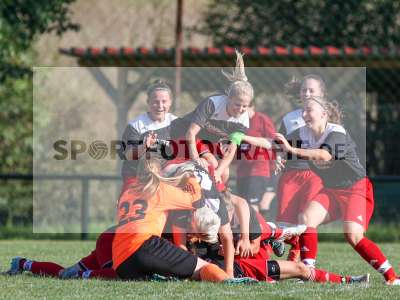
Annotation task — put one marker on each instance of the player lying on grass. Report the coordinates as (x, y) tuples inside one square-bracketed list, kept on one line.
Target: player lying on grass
[(98, 264), (261, 269), (251, 231), (138, 251), (347, 192)]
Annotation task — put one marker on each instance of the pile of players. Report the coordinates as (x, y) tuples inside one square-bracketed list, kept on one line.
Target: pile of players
[(178, 219)]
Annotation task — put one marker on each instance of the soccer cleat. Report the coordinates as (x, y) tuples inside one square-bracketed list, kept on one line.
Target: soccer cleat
[(277, 246), (70, 272), (157, 277), (359, 279), (14, 266), (393, 281), (289, 232), (240, 280)]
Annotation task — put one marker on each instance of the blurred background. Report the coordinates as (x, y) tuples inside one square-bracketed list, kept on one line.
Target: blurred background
[(41, 42)]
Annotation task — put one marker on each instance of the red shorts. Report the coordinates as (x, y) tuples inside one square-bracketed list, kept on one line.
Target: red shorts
[(296, 189), (355, 204), (254, 268), (101, 257)]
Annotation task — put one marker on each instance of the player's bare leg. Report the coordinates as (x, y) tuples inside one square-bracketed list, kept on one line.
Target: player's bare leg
[(205, 271), (289, 269)]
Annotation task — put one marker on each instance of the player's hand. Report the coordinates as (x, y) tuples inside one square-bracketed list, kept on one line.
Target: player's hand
[(217, 176), (150, 139), (279, 164), (282, 142), (201, 162), (243, 248)]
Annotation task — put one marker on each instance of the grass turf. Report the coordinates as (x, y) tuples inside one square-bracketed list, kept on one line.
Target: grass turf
[(336, 257)]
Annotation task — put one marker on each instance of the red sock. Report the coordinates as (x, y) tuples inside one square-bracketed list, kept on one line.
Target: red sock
[(319, 275), (45, 268), (294, 252), (107, 273), (309, 246), (375, 257)]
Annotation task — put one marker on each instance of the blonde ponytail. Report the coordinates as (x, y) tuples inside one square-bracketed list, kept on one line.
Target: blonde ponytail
[(150, 178), (239, 82)]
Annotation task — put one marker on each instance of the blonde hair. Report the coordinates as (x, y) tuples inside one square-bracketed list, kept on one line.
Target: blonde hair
[(239, 83), (150, 178), (207, 222)]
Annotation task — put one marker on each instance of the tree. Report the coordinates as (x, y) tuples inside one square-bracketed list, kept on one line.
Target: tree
[(253, 23), (21, 22)]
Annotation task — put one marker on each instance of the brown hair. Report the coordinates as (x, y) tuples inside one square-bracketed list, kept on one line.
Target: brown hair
[(158, 85), (293, 87), (332, 107)]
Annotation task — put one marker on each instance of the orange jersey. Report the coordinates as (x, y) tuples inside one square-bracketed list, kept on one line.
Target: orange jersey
[(139, 219)]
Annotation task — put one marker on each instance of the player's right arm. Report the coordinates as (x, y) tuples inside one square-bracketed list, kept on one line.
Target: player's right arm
[(199, 118)]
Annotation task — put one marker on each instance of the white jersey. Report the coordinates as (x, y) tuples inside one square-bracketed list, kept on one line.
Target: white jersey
[(292, 121), (143, 123), (309, 141)]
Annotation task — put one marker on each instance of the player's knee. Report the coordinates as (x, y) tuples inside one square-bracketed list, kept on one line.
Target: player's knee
[(302, 270), (306, 218), (353, 238)]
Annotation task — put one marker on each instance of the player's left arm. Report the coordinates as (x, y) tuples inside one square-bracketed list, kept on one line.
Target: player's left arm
[(226, 238)]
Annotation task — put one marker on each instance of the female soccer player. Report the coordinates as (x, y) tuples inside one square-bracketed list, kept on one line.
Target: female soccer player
[(97, 264), (331, 153), (253, 176), (211, 198), (217, 117), (138, 249), (156, 120), (297, 184)]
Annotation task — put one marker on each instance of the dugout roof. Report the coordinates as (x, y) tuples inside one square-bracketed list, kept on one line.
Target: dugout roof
[(369, 56)]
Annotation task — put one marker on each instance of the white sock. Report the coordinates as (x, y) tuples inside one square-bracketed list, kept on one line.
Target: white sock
[(86, 274), (27, 265)]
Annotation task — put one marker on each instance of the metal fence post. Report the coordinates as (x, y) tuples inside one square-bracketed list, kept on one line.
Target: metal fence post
[(85, 209)]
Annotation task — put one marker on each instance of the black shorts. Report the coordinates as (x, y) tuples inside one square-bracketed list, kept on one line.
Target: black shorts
[(253, 188), (159, 256)]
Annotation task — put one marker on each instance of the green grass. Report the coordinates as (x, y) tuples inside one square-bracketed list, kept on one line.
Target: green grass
[(338, 257)]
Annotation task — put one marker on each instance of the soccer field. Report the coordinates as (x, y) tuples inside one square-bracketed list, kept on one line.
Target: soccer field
[(335, 257)]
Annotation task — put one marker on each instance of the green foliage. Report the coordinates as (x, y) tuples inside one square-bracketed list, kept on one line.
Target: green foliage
[(16, 125), (21, 22), (302, 23)]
